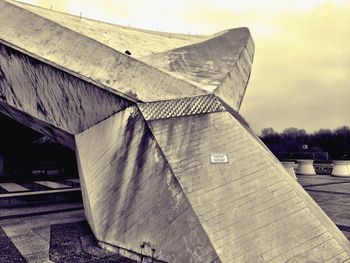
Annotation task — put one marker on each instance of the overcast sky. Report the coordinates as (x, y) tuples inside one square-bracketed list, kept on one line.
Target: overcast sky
[(301, 69)]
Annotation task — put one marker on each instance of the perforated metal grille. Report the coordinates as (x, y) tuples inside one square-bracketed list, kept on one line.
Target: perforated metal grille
[(182, 107)]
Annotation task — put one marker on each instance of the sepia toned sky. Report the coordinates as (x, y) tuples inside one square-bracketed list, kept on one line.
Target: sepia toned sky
[(301, 69)]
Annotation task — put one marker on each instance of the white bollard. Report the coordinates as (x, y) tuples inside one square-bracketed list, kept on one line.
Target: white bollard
[(289, 166), (341, 168), (305, 167)]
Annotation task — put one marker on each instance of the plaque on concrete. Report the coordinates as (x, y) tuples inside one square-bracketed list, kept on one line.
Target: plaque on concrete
[(218, 158)]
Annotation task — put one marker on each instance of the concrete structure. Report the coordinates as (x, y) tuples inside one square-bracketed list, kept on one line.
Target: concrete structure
[(305, 167), (289, 166), (341, 168), (168, 168)]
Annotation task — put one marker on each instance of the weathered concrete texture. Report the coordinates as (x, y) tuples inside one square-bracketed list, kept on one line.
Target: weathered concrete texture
[(87, 58), (132, 194), (238, 211), (144, 135), (250, 208), (233, 86), (74, 242), (29, 230), (9, 252), (139, 42), (51, 95), (221, 64)]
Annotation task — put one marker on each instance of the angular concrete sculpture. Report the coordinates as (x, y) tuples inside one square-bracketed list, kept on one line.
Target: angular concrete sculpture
[(169, 169)]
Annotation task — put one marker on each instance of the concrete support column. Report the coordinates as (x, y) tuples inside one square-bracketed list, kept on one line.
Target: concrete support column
[(305, 167), (289, 166), (341, 168)]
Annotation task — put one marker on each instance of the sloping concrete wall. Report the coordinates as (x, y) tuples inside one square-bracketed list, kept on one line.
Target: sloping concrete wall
[(164, 190), (51, 95), (87, 58), (250, 208), (220, 65), (139, 42), (131, 195), (233, 86)]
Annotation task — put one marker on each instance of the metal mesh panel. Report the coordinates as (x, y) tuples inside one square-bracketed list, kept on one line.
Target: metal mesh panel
[(182, 107)]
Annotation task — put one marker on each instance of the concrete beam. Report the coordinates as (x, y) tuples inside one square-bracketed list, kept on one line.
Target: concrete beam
[(87, 58), (51, 95)]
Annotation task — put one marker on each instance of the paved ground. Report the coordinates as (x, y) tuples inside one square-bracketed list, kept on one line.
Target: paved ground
[(28, 228), (333, 195), (25, 233), (75, 242)]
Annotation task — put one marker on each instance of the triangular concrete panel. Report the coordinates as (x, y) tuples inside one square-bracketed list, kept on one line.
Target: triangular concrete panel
[(220, 65), (250, 208)]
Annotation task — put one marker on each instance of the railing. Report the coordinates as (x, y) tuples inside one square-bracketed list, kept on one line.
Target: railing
[(42, 172), (323, 168), (316, 156)]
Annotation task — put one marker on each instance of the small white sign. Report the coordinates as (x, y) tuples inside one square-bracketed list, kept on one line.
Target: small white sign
[(218, 158)]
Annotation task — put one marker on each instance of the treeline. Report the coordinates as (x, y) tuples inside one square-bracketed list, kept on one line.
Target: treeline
[(335, 142)]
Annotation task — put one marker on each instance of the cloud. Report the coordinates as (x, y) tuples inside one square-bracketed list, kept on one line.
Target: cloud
[(302, 59), (55, 5), (300, 75)]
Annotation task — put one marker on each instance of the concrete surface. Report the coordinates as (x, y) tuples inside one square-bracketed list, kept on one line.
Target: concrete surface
[(245, 205), (13, 187), (87, 58), (331, 193), (217, 64), (67, 104), (148, 202), (29, 228), (53, 185), (333, 196), (143, 147), (139, 42)]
